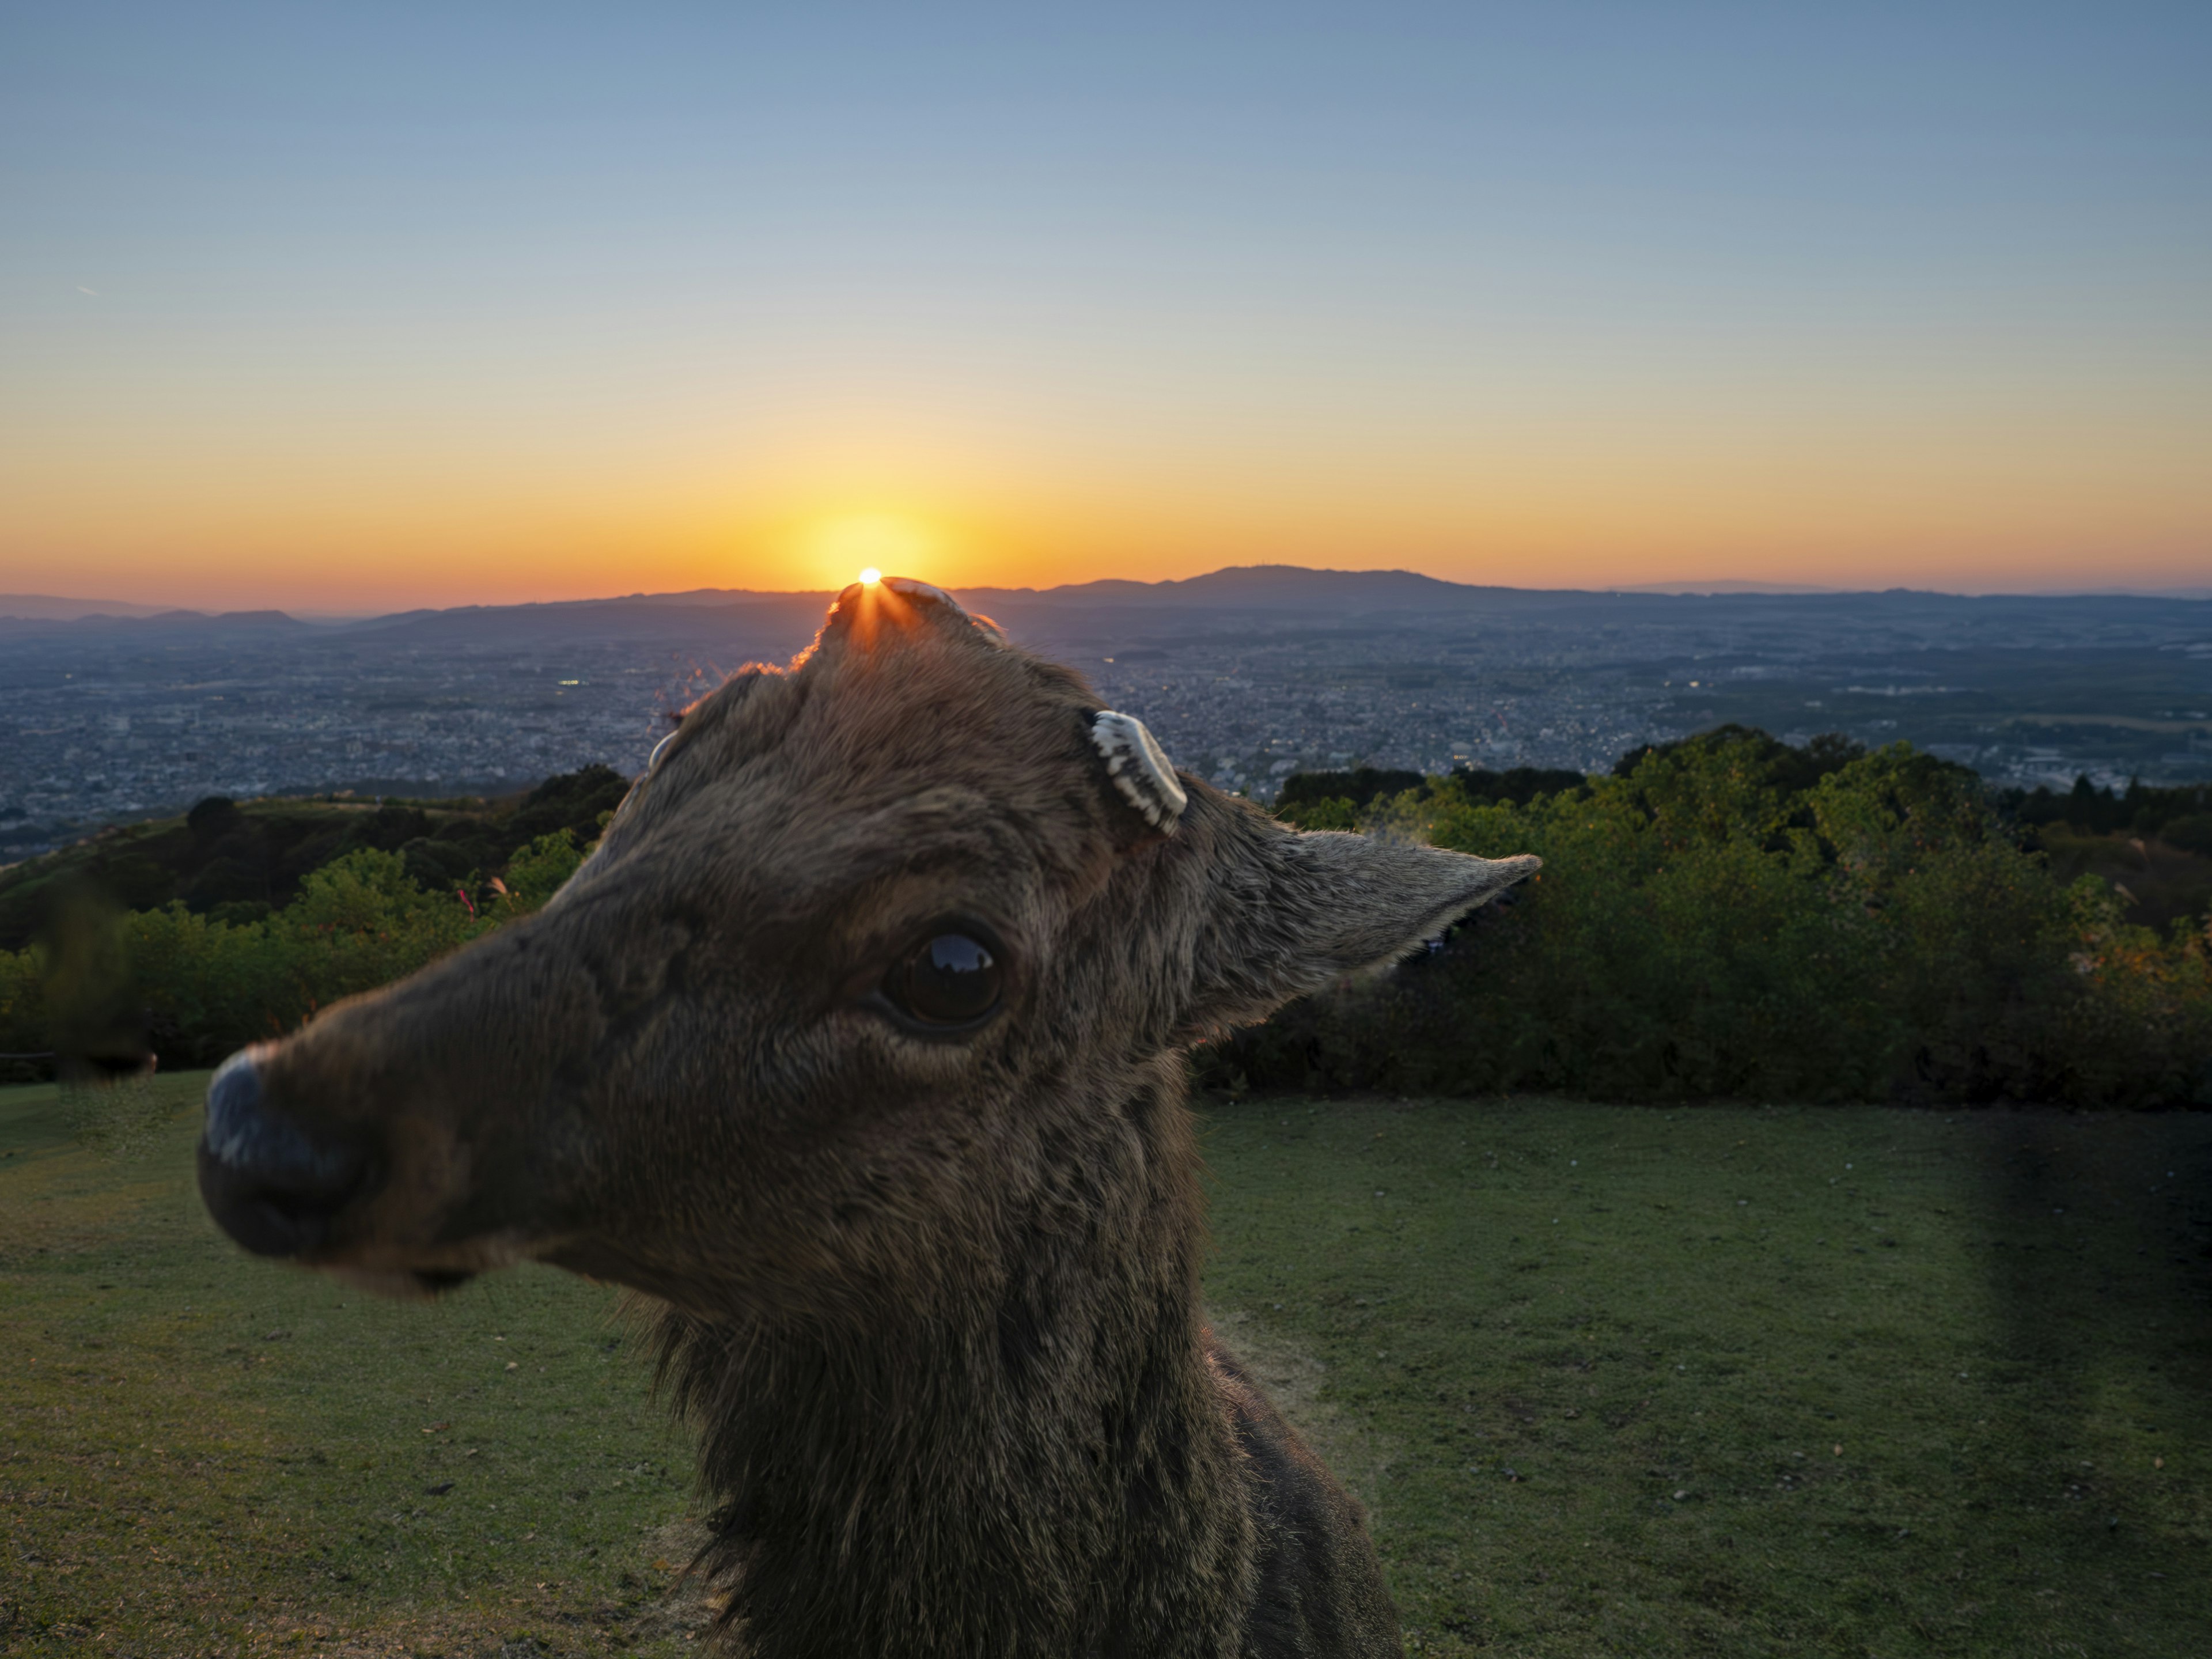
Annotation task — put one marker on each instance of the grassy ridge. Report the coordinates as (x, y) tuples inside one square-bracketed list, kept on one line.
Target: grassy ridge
[(1587, 1364)]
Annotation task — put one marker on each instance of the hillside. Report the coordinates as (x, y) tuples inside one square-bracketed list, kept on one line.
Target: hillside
[(240, 859)]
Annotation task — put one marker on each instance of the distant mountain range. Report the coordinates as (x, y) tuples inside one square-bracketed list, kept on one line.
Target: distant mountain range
[(1280, 590), (44, 608)]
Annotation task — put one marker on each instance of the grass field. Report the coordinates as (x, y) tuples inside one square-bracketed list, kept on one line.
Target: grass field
[(1613, 1381)]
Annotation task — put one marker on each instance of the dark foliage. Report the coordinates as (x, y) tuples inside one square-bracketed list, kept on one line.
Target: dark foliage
[(1727, 916), (1768, 758), (1334, 800), (1518, 785), (572, 801), (1365, 786), (2182, 816), (189, 937), (1361, 787), (2153, 846), (235, 862)]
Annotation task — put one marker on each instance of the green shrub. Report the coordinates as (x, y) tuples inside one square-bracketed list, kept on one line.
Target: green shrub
[(200, 986), (1727, 917), (24, 1030), (210, 987), (537, 873), (1325, 812), (2193, 833)]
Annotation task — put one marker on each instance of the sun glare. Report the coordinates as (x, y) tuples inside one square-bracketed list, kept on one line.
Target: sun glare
[(871, 543)]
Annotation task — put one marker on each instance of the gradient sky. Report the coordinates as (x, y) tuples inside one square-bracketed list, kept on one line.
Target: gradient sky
[(352, 307)]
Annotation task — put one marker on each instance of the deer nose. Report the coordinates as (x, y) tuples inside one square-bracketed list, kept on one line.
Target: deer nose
[(269, 1183)]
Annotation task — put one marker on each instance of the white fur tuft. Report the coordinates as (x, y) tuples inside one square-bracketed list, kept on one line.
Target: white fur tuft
[(1139, 767)]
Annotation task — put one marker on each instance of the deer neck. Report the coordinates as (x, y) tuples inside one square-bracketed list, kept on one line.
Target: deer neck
[(1040, 1465)]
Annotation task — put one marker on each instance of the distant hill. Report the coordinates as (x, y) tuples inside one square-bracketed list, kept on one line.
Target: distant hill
[(729, 625), (44, 607), (772, 619), (157, 622), (1272, 586), (1281, 588), (1724, 587)]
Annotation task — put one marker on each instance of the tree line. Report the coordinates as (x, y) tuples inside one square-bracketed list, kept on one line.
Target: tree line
[(1727, 916), (186, 939)]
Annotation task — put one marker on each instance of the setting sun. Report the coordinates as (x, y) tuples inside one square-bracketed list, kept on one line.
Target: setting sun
[(870, 542)]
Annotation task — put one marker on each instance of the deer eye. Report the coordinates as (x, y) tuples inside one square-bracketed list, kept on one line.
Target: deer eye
[(951, 979)]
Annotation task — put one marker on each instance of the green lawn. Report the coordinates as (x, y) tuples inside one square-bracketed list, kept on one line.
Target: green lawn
[(1590, 1367), (203, 1453), (1627, 1381)]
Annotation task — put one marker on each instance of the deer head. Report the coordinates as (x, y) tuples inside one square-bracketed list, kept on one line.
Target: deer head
[(875, 948)]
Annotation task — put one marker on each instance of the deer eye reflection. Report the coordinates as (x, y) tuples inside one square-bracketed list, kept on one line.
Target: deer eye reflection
[(949, 980)]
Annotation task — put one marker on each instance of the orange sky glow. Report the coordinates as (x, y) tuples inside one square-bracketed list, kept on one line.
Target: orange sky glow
[(351, 532)]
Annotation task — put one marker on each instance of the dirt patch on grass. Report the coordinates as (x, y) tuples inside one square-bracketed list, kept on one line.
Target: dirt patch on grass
[(1294, 1380), (689, 1603)]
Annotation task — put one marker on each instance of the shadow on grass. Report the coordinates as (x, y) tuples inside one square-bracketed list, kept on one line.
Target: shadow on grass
[(2099, 1258), (1747, 1381)]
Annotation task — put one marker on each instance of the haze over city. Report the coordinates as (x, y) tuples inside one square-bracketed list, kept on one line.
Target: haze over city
[(355, 310)]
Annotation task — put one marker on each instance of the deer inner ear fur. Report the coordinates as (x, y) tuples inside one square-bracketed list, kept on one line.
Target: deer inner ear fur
[(1288, 912)]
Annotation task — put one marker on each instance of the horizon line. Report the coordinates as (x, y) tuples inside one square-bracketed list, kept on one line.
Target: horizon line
[(1716, 588)]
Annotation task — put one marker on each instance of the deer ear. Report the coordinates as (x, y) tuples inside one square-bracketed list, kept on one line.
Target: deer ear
[(1290, 912)]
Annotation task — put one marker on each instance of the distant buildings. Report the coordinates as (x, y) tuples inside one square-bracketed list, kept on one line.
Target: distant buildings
[(1261, 673)]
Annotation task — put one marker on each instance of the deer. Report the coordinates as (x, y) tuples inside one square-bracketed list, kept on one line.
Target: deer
[(855, 1050)]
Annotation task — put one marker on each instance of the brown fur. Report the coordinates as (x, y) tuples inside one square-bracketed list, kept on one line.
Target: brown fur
[(932, 1302)]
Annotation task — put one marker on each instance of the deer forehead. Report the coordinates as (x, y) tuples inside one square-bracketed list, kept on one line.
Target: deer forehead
[(886, 851), (920, 709), (793, 797)]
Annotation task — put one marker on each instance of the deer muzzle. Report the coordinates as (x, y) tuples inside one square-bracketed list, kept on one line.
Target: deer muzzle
[(412, 1136), (270, 1183)]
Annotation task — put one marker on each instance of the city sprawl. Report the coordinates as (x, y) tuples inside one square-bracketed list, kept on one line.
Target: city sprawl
[(1245, 676)]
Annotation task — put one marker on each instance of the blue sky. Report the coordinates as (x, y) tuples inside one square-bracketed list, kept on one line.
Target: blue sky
[(492, 293)]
